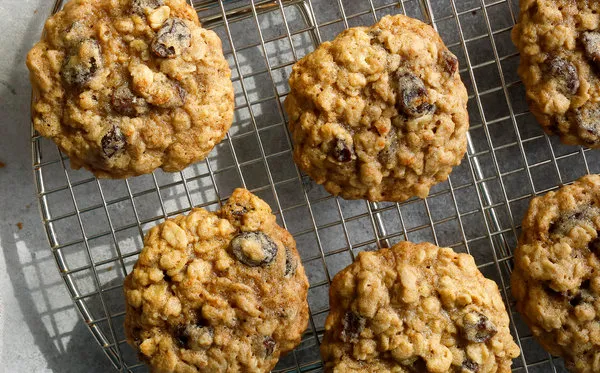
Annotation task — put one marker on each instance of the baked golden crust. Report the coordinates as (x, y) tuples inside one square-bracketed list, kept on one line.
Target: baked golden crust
[(127, 86), (380, 112), (556, 279), (559, 42), (217, 292), (416, 308)]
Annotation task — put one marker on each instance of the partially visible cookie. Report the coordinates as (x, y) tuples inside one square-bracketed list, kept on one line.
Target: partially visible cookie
[(556, 279), (217, 292), (126, 86), (559, 42), (416, 308), (380, 112)]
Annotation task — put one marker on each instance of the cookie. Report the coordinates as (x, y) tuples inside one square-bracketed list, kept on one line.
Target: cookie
[(379, 113), (556, 279), (416, 308), (559, 42), (217, 292), (126, 86)]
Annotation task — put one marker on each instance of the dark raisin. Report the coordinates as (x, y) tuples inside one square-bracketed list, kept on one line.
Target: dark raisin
[(181, 336), (478, 328), (113, 142), (450, 62), (415, 364), (81, 66), (587, 120), (565, 74), (269, 345), (591, 44), (138, 6), (239, 210), (353, 324), (254, 248), (413, 97), (594, 245), (290, 263), (172, 38), (568, 221), (576, 300), (341, 151), (124, 102), (469, 366)]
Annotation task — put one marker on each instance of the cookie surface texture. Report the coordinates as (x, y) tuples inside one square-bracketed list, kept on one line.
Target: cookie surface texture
[(559, 42), (127, 86), (217, 292), (379, 113), (416, 308), (556, 279)]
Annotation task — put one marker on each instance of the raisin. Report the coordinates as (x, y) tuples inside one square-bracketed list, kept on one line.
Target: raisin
[(113, 142), (469, 366), (594, 245), (290, 263), (591, 44), (138, 6), (413, 97), (588, 120), (194, 337), (181, 336), (172, 38), (80, 67), (415, 364), (353, 324), (566, 222), (565, 74), (269, 345), (450, 62), (341, 151), (478, 328), (126, 103), (254, 248)]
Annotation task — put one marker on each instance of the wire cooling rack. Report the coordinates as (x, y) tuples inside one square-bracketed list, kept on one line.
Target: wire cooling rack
[(95, 227)]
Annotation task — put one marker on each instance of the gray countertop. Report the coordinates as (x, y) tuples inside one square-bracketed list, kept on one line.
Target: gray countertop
[(40, 330)]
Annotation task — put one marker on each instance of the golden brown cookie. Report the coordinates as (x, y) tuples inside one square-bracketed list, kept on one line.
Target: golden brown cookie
[(126, 86), (559, 42), (217, 292), (380, 112), (416, 308), (556, 279)]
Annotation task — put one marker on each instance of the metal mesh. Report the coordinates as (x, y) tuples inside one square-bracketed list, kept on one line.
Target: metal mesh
[(95, 227)]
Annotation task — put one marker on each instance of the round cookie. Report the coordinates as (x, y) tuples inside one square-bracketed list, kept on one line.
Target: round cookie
[(556, 279), (126, 86), (217, 292), (380, 112), (416, 308), (559, 42)]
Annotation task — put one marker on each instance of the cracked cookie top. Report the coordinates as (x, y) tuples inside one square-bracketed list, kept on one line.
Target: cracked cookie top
[(380, 112), (559, 42), (126, 86), (217, 292), (416, 308), (556, 279)]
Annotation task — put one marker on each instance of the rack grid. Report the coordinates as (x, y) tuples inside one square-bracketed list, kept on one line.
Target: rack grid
[(95, 227)]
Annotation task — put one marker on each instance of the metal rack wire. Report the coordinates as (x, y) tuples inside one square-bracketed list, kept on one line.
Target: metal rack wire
[(95, 227)]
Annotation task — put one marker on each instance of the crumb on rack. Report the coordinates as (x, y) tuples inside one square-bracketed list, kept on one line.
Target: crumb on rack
[(2, 164), (20, 225)]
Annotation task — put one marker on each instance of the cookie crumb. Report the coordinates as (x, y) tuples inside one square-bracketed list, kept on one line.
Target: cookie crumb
[(2, 164), (20, 225)]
